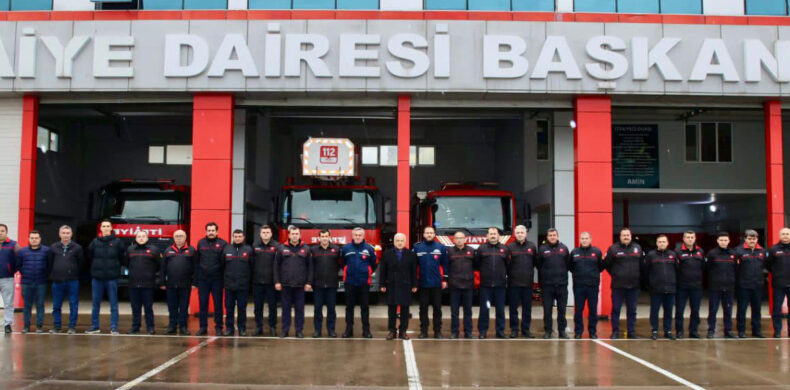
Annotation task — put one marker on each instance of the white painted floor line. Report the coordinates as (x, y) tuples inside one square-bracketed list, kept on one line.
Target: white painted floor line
[(411, 366), (165, 365), (651, 366)]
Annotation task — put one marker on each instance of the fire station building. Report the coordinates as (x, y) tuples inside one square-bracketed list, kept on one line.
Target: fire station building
[(663, 115)]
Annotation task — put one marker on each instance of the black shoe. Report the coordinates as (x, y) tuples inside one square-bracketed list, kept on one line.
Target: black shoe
[(8, 329), (547, 335), (564, 336), (577, 336), (423, 335), (680, 335), (711, 334), (454, 335), (25, 330), (741, 335), (594, 336), (669, 335), (391, 336), (170, 331), (527, 335), (367, 335), (694, 335), (500, 335), (438, 335), (202, 332), (151, 331), (653, 335), (228, 333), (348, 334), (299, 335), (258, 332), (729, 335), (482, 336), (283, 335), (133, 331), (614, 336), (184, 331), (468, 335), (632, 336), (332, 334), (758, 335), (777, 335), (243, 332), (316, 334), (272, 332), (218, 331), (513, 334)]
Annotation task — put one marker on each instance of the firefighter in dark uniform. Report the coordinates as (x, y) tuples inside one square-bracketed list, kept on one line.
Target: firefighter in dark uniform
[(359, 264), (521, 276), (779, 265), (586, 266), (143, 261), (238, 272), (750, 279), (326, 265), (209, 277), (177, 277), (553, 262), (461, 283), (720, 266), (432, 257), (623, 261), (690, 274), (661, 265), (491, 260), (263, 281), (293, 269), (398, 276)]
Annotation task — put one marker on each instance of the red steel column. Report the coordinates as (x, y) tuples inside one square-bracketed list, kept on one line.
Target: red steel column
[(212, 168), (774, 176), (592, 147), (27, 181), (404, 170)]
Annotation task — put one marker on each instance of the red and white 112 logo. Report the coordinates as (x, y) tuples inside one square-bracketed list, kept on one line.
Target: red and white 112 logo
[(328, 154)]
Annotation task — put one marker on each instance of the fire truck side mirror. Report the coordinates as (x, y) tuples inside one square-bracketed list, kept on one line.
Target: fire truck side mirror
[(387, 210)]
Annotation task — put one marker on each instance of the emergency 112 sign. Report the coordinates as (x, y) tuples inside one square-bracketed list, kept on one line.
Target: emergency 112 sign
[(329, 157)]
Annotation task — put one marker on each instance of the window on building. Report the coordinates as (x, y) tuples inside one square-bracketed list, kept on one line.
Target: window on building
[(533, 5), (766, 7), (269, 4), (681, 6), (387, 155), (313, 4), (638, 6), (162, 4), (489, 5), (30, 5), (370, 155), (156, 154), (445, 4), (48, 140), (709, 142), (427, 155), (542, 140), (205, 4), (594, 6), (357, 4)]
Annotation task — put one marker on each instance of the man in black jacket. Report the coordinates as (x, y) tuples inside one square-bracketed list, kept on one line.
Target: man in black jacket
[(209, 277), (143, 260), (398, 276), (586, 266), (326, 265), (750, 263), (553, 262), (521, 277), (690, 273), (623, 260), (292, 272), (720, 265), (238, 271), (263, 281), (779, 265), (491, 260), (106, 253), (461, 282), (177, 276), (661, 266), (67, 261)]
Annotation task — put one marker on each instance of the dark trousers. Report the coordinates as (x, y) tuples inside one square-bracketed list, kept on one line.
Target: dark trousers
[(520, 296), (431, 296), (325, 297), (61, 290), (177, 305), (236, 301), (358, 295), (213, 287), (585, 294), (293, 297), (630, 296), (265, 293), (658, 301), (746, 298), (552, 294), (491, 296), (33, 294), (779, 295), (723, 298), (392, 315), (694, 297), (142, 298), (460, 297)]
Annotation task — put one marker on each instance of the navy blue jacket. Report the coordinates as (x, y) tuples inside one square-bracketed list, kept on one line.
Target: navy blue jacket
[(750, 266), (491, 261), (431, 263), (293, 266), (661, 268), (66, 262), (209, 259), (106, 255), (553, 263), (33, 264), (624, 264), (7, 258), (521, 270), (238, 266), (720, 264), (359, 263), (779, 264), (586, 266), (692, 266), (178, 267)]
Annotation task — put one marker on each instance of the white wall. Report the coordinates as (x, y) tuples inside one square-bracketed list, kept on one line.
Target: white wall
[(73, 5), (564, 212), (237, 194), (10, 155), (237, 4), (564, 5), (400, 5), (723, 7)]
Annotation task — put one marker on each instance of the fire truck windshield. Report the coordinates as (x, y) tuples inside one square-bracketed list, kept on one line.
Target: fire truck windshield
[(472, 213), (143, 207), (327, 207)]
